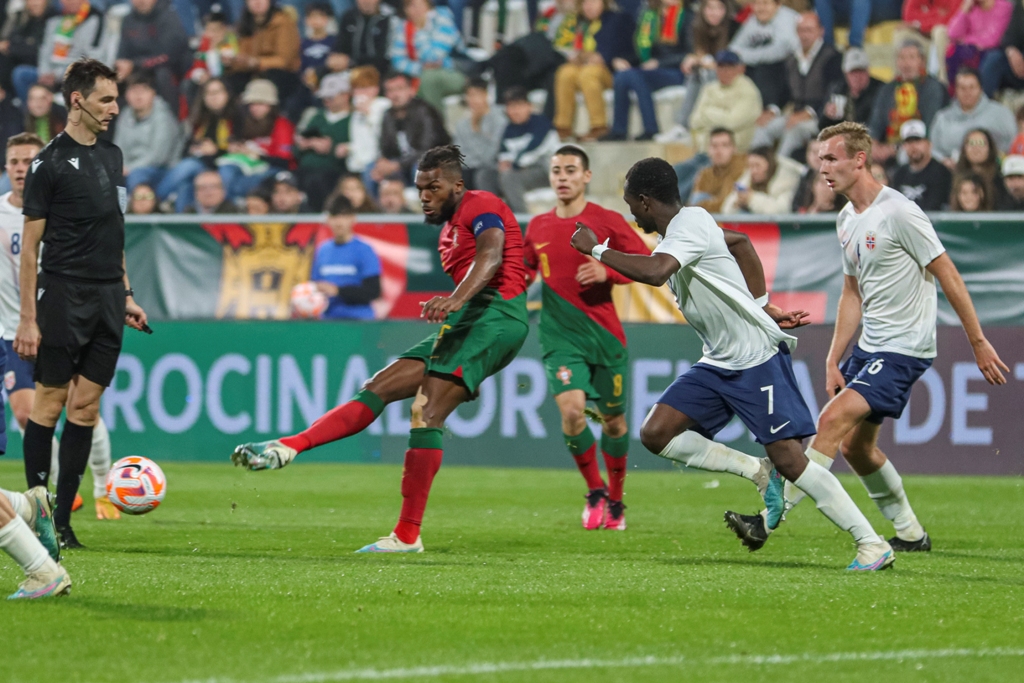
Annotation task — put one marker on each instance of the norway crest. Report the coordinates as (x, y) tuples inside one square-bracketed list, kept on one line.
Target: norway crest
[(869, 239)]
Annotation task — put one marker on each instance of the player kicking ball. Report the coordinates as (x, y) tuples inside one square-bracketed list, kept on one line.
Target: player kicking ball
[(746, 368), (27, 534), (582, 339), (891, 259), (483, 326)]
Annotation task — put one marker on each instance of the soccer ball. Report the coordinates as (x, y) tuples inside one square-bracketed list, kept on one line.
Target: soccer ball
[(308, 301), (136, 485)]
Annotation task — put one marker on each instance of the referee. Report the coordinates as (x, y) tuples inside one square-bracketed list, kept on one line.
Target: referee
[(73, 310)]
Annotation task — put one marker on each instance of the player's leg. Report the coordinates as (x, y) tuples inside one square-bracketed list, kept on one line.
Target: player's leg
[(99, 464), (43, 576), (47, 405), (583, 448), (610, 384)]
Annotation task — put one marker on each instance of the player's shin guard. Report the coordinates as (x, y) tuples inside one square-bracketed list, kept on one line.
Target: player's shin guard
[(18, 541), (614, 450), (583, 447), (38, 451), (886, 488), (693, 450), (75, 444), (99, 459), (835, 503), (345, 420), (422, 461), (794, 495)]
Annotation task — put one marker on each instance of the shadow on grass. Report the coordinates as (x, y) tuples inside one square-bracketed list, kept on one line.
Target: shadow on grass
[(106, 609), (439, 557), (743, 562)]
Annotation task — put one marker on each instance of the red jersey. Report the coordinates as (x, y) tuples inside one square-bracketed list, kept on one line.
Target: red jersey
[(548, 250), (479, 211)]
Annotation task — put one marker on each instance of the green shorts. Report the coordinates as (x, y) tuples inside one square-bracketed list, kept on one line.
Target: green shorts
[(605, 385), (472, 344)]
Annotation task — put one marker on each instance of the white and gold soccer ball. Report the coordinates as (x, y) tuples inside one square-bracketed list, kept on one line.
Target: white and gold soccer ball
[(308, 301), (136, 485)]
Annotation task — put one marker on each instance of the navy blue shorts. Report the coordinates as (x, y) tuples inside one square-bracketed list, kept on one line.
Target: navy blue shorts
[(884, 380), (18, 374), (765, 397)]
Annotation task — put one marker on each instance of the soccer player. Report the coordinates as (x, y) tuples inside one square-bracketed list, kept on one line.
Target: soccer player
[(27, 534), (483, 325), (583, 341), (75, 307), (891, 260), (746, 368), (21, 150)]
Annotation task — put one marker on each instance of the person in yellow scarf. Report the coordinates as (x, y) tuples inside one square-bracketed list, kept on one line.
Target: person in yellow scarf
[(73, 34)]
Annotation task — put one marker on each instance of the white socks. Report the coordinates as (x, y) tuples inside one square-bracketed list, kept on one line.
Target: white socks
[(791, 493), (18, 541), (886, 488), (693, 450), (20, 502), (835, 503), (99, 459)]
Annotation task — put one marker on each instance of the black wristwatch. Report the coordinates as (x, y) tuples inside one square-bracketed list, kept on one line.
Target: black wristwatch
[(129, 292)]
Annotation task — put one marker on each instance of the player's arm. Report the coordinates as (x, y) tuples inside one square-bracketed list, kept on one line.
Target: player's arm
[(847, 322), (134, 316), (742, 249), (960, 299), (623, 238), (530, 259), (490, 246), (654, 270), (28, 336)]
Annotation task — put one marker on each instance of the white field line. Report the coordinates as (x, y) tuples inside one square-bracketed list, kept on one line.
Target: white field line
[(485, 668)]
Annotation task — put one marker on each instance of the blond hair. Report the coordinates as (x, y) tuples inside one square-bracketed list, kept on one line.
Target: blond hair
[(856, 137)]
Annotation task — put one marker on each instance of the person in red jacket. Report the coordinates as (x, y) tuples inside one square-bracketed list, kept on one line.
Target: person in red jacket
[(262, 142), (583, 341), (929, 19)]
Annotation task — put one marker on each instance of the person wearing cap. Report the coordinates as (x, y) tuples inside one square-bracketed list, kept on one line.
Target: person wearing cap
[(853, 97), (764, 42), (148, 133), (345, 268), (922, 179), (1012, 198), (285, 195), (322, 139), (153, 38)]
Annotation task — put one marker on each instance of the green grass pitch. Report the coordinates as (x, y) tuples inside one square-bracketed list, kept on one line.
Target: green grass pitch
[(251, 577)]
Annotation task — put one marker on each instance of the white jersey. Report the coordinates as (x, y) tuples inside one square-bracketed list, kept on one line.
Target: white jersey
[(12, 223), (713, 295), (887, 248)]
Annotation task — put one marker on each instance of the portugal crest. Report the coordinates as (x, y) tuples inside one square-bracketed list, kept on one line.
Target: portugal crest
[(869, 239), (564, 374)]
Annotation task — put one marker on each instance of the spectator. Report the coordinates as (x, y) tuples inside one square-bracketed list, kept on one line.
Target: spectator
[(364, 34), (12, 121), (73, 34), (353, 188), (662, 42), (1017, 146), (978, 156), (526, 146), (367, 117), (261, 144), (147, 133), (42, 116), (975, 31), (421, 47), (821, 199), (1004, 68), (322, 140), (257, 202), (971, 109), (716, 181), (285, 195), (804, 195), (853, 97), (392, 197), (268, 48), (970, 194), (210, 130), (316, 44), (912, 95), (479, 137), (712, 29), (764, 42), (767, 186), (410, 127), (601, 35), (922, 179), (879, 173), (217, 43), (345, 268), (1012, 196), (21, 37), (859, 13), (143, 201), (810, 71), (153, 39), (928, 19), (210, 198)]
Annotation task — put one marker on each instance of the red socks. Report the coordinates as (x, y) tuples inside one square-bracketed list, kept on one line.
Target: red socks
[(584, 451), (614, 451), (345, 420), (422, 461)]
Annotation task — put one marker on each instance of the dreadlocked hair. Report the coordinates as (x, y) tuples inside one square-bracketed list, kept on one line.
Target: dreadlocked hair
[(448, 158), (655, 178)]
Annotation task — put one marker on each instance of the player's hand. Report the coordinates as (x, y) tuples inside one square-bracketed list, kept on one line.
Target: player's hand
[(834, 382), (328, 289), (591, 272), (583, 240), (134, 316), (27, 340), (787, 320), (988, 362), (438, 308)]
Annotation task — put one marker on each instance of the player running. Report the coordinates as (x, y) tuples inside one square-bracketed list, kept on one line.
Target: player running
[(21, 389), (483, 326), (583, 341), (746, 368), (891, 259)]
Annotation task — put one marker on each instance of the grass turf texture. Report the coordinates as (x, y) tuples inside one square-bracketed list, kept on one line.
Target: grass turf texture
[(251, 577)]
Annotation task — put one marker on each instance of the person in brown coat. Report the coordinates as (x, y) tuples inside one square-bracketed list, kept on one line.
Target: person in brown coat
[(716, 181), (268, 47)]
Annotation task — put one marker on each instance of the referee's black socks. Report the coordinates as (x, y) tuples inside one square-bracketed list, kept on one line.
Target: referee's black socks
[(75, 444), (38, 448)]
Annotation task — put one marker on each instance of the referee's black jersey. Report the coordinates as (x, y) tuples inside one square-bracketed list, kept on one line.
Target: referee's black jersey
[(80, 191)]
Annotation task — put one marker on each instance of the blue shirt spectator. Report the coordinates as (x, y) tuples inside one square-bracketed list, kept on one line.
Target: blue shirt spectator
[(346, 269)]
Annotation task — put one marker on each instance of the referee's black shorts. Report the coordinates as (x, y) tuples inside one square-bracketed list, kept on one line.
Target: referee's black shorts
[(82, 325)]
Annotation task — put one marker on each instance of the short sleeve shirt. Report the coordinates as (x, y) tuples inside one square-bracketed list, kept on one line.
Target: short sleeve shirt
[(346, 265)]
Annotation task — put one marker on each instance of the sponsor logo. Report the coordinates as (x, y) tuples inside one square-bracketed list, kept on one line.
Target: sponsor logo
[(74, 162), (35, 164), (774, 430)]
